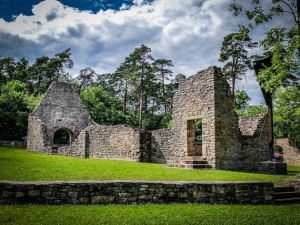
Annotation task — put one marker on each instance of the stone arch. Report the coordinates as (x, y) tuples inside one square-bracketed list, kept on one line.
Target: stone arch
[(63, 136), (278, 149)]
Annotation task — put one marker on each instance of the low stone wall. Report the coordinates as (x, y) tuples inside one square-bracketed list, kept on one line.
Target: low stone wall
[(13, 144), (140, 192)]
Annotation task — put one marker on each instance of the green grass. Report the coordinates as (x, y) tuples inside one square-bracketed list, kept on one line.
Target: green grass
[(151, 214), (20, 165), (17, 164)]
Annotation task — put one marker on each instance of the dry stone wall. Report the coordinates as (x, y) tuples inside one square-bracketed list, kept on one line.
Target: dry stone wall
[(135, 192)]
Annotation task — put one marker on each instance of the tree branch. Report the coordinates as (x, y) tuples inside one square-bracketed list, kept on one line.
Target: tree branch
[(292, 11)]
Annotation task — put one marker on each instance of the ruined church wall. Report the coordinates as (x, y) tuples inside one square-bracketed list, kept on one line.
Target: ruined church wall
[(194, 99), (254, 141), (36, 135), (118, 142), (161, 145), (61, 107), (227, 134)]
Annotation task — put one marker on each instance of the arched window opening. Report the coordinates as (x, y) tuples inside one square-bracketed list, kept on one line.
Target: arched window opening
[(61, 137)]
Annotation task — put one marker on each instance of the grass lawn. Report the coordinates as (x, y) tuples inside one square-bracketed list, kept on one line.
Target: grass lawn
[(151, 214), (17, 164)]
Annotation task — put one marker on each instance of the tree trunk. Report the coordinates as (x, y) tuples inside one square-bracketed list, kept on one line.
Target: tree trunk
[(125, 99), (298, 22), (164, 95), (141, 100), (232, 88)]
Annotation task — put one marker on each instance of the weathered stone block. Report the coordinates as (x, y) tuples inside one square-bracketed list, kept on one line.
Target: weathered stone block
[(270, 167)]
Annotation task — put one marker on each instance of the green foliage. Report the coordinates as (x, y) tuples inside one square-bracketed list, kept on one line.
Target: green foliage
[(45, 70), (198, 130), (287, 113), (103, 108), (282, 77), (166, 214), (252, 110), (15, 105), (20, 165), (235, 56), (242, 107), (241, 100), (162, 73), (283, 42), (84, 79), (155, 122)]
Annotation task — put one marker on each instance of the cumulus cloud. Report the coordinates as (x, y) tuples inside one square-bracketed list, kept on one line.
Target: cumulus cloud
[(188, 32)]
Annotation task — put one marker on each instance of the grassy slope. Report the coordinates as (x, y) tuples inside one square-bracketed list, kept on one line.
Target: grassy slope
[(20, 165)]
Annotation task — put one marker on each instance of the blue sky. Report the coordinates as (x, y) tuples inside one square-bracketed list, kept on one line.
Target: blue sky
[(101, 33), (11, 8)]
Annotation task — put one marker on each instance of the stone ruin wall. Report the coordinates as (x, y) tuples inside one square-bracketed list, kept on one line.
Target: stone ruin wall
[(255, 143), (194, 100), (198, 98), (227, 134), (205, 96), (60, 108), (36, 134), (161, 145), (291, 154), (118, 142)]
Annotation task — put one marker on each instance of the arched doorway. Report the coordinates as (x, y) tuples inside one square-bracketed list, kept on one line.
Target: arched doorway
[(62, 137)]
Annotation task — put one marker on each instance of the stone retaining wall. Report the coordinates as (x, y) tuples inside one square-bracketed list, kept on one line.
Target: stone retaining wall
[(140, 192)]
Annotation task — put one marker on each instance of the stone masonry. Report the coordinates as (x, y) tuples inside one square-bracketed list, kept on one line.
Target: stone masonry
[(135, 192), (228, 142), (291, 154)]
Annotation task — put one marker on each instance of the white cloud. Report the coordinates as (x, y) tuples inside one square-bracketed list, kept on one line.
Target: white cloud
[(188, 32)]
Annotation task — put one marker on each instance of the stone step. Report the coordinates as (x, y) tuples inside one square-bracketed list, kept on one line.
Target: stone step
[(283, 195), (283, 188), (190, 166), (286, 195), (285, 201), (195, 161), (195, 158), (198, 166)]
